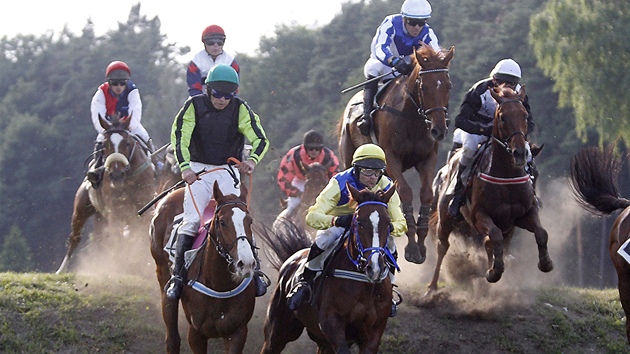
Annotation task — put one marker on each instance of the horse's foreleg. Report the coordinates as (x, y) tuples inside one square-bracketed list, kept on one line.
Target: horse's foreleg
[(494, 248), (198, 343), (442, 247), (235, 342), (170, 311), (532, 224), (82, 211)]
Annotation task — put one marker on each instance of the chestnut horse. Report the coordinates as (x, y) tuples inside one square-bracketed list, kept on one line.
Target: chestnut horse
[(316, 179), (128, 184), (409, 122), (593, 182), (220, 297), (501, 196), (353, 296)]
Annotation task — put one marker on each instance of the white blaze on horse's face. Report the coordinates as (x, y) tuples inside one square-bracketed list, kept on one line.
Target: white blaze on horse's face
[(116, 156), (116, 139), (374, 219), (243, 247)]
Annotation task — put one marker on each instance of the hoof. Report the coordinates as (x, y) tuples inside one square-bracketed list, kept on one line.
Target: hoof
[(493, 276), (413, 254), (546, 266)]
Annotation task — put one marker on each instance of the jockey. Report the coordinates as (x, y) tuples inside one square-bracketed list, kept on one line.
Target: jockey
[(333, 210), (392, 47), (207, 131), (474, 122), (213, 38), (291, 177), (118, 95)]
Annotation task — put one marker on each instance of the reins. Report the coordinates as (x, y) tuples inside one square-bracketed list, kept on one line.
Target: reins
[(505, 143)]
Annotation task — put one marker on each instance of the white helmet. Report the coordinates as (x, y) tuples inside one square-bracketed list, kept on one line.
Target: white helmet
[(506, 70), (420, 9)]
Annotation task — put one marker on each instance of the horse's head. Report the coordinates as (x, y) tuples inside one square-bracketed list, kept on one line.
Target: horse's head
[(370, 232), (316, 179), (118, 146), (231, 232), (432, 86), (510, 122)]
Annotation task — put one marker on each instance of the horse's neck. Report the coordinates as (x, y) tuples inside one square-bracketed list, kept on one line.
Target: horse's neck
[(213, 271), (502, 163)]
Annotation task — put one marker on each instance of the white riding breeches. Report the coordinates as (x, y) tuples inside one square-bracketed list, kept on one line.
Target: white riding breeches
[(202, 193)]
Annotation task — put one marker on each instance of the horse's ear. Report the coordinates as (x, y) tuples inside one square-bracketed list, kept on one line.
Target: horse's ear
[(216, 192), (353, 191), (448, 56), (390, 192), (497, 94), (125, 121), (521, 93), (105, 124), (243, 192)]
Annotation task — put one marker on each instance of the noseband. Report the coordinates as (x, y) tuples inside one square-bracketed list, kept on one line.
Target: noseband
[(505, 143), (361, 261)]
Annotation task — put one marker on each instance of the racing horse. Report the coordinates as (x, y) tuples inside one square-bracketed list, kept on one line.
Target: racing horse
[(501, 196), (128, 183), (316, 179), (354, 293), (220, 297), (594, 185), (409, 121)]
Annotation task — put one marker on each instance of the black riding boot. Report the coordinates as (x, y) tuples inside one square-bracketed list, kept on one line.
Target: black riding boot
[(302, 289), (365, 122), (458, 194), (261, 285), (174, 286), (95, 174)]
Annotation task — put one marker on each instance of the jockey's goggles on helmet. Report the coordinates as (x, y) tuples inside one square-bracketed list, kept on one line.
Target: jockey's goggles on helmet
[(372, 172), (416, 22), (117, 82), (218, 94), (218, 42)]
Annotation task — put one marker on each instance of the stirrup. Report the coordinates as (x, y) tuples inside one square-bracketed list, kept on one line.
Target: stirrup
[(296, 297)]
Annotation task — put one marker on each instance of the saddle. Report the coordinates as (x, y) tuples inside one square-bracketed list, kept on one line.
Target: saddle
[(199, 240)]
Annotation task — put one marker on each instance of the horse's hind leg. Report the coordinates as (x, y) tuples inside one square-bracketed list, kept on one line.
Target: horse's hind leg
[(623, 280)]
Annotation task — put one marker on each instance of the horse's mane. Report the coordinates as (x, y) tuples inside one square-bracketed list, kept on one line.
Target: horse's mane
[(428, 55)]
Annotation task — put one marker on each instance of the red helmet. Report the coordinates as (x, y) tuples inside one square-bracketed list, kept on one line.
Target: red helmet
[(213, 31), (117, 70)]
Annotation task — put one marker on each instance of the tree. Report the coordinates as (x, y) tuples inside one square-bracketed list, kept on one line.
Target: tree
[(582, 46), (15, 255)]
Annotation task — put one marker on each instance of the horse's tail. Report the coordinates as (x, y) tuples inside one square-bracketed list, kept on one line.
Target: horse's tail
[(593, 180), (282, 242)]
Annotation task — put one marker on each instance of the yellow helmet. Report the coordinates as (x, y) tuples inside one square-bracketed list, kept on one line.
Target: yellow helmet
[(369, 156)]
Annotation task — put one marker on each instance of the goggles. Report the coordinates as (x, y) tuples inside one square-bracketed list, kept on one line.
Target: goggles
[(371, 172), (413, 22), (118, 82), (225, 95)]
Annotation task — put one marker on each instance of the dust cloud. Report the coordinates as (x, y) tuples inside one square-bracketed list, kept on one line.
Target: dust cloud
[(463, 288)]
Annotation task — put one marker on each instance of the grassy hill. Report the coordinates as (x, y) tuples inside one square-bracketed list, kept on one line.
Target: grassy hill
[(46, 313)]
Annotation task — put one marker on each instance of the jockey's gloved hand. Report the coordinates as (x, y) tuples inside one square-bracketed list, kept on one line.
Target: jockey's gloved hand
[(402, 66), (343, 221)]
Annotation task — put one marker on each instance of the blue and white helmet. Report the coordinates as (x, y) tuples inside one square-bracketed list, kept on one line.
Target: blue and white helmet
[(420, 9)]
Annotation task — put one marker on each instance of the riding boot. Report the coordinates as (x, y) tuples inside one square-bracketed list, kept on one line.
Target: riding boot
[(302, 289), (365, 122), (458, 194), (95, 174), (174, 286)]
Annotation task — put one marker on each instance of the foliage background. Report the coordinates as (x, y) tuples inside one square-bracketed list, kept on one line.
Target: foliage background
[(571, 54)]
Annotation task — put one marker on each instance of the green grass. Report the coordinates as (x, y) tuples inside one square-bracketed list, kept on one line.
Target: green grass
[(46, 313)]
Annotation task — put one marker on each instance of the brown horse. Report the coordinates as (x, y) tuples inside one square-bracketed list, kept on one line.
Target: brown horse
[(593, 182), (354, 293), (220, 298), (500, 197), (128, 184), (316, 179), (409, 122)]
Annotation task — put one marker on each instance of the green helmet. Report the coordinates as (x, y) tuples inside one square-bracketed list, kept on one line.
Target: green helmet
[(222, 78)]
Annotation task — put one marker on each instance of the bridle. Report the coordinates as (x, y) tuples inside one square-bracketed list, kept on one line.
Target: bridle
[(117, 156), (505, 142), (360, 261), (424, 113), (217, 238)]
